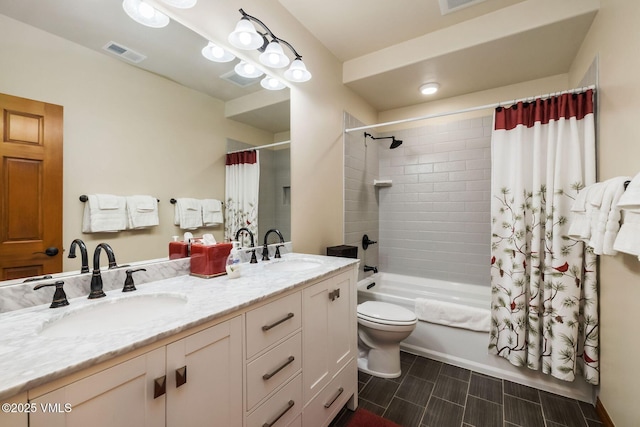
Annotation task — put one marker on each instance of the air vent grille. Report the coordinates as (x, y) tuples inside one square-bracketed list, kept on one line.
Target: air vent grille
[(448, 6), (124, 52), (237, 79)]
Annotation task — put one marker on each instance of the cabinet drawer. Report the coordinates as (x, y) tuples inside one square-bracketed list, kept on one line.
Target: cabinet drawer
[(281, 408), (273, 368), (272, 322), (324, 407)]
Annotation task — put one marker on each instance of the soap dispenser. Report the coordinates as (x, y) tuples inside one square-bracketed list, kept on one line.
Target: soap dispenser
[(233, 262)]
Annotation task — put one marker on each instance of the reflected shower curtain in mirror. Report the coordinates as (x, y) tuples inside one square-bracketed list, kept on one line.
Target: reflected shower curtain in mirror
[(544, 292), (241, 189)]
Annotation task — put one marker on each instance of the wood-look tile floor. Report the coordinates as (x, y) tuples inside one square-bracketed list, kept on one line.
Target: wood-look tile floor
[(435, 394)]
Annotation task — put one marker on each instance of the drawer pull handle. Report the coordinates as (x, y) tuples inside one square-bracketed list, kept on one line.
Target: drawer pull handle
[(159, 386), (334, 294), (284, 365), (284, 319), (328, 404), (275, 420), (181, 376)]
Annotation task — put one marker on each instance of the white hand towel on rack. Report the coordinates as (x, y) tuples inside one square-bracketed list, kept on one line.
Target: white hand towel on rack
[(211, 212), (188, 213), (580, 227), (608, 216), (631, 197), (451, 314), (142, 211), (107, 201), (96, 219), (628, 239)]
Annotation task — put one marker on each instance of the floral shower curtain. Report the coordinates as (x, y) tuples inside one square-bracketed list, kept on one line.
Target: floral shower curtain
[(241, 188), (544, 290)]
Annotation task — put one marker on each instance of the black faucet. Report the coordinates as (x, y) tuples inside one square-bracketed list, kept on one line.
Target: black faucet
[(96, 278), (370, 268), (83, 253), (253, 252), (265, 248), (59, 296)]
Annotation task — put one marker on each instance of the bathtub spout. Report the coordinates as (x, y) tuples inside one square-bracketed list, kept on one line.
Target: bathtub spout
[(370, 268)]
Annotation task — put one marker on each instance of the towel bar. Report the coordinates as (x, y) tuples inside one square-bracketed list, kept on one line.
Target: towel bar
[(83, 198)]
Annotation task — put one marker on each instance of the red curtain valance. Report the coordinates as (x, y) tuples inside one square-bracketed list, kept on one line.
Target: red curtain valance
[(545, 110), (242, 157)]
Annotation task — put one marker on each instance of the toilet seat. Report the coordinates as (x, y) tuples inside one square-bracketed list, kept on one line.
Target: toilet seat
[(386, 313)]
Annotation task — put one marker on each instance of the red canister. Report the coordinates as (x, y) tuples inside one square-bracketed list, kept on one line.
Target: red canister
[(209, 260)]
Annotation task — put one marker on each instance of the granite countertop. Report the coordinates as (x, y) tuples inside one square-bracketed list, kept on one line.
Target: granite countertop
[(29, 358)]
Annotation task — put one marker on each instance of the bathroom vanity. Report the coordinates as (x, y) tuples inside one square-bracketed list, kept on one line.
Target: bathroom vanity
[(275, 347)]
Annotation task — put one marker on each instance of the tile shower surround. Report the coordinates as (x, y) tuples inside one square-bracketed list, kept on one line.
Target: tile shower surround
[(435, 394), (434, 221)]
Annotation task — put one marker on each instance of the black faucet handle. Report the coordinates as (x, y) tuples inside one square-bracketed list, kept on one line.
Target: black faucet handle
[(59, 296), (254, 260), (277, 255), (129, 285)]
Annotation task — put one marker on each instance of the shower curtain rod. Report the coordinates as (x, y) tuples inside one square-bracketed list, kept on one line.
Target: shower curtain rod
[(259, 147), (468, 110)]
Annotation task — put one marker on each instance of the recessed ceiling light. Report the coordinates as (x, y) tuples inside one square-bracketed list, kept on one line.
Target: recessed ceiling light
[(429, 88)]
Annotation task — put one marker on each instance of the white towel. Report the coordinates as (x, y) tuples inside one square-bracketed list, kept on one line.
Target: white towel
[(628, 239), (142, 211), (107, 201), (96, 220), (607, 222), (188, 213), (451, 314), (580, 227), (211, 212), (631, 197)]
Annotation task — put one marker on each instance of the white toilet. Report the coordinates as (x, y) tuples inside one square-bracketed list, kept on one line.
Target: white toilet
[(381, 327)]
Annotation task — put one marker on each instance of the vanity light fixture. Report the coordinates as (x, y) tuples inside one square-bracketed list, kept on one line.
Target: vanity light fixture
[(245, 36), (215, 53), (145, 14), (248, 70), (271, 83), (429, 88)]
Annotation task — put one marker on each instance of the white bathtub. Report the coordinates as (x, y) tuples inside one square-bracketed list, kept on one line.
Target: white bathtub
[(460, 347)]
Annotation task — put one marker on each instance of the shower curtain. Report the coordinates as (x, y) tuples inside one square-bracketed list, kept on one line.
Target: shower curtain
[(241, 188), (544, 291)]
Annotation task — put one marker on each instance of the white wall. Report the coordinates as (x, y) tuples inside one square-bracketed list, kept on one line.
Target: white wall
[(614, 41), (126, 132)]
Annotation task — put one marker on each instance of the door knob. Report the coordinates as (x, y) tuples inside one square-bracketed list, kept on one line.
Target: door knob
[(50, 251)]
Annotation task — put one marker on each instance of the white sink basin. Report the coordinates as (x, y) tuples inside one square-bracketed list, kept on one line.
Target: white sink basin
[(114, 314), (293, 265)]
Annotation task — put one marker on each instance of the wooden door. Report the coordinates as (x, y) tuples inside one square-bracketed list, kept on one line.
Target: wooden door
[(31, 188)]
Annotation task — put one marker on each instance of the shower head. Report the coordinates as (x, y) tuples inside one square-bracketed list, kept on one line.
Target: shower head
[(395, 143)]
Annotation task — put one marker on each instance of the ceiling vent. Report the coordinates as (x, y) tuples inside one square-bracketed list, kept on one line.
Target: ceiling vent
[(448, 6), (124, 52), (238, 80)]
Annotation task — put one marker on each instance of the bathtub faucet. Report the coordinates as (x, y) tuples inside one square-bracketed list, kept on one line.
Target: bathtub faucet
[(370, 268)]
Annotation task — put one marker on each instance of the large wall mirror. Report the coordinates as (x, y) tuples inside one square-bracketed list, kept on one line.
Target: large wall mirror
[(162, 131)]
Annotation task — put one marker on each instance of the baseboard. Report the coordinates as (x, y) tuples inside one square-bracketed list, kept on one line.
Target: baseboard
[(602, 413)]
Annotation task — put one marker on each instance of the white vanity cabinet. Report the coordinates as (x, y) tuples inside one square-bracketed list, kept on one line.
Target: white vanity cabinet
[(195, 381), (329, 348)]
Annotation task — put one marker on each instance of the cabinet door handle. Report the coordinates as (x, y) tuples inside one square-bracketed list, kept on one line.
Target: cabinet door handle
[(159, 386), (284, 319), (275, 420), (334, 294), (181, 376), (328, 404), (278, 369)]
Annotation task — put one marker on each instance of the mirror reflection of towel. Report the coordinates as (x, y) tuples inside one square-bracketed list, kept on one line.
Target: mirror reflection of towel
[(211, 212), (188, 213), (111, 218)]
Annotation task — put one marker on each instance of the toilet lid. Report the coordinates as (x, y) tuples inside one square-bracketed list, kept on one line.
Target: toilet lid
[(383, 311)]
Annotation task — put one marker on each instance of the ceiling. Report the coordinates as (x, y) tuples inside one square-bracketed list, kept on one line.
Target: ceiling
[(388, 48)]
